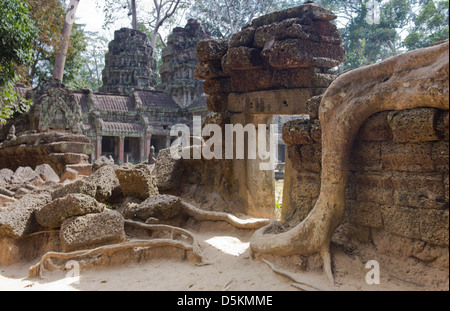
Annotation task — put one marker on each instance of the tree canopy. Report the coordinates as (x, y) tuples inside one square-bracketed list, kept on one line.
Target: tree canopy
[(401, 25), (30, 32), (17, 32)]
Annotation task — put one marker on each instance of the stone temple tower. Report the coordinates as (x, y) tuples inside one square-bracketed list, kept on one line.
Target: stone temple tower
[(179, 62), (129, 64)]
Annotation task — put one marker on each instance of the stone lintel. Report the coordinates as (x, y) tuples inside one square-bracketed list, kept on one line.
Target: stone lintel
[(288, 101)]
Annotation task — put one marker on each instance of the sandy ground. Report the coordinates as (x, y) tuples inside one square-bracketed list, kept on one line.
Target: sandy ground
[(231, 268)]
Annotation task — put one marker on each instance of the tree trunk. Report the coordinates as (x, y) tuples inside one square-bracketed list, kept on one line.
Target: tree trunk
[(58, 70), (414, 79), (134, 14)]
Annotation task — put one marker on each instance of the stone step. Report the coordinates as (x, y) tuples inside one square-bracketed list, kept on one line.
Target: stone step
[(82, 169)]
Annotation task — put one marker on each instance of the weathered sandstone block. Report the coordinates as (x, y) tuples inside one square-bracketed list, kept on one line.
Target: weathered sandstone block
[(92, 230)]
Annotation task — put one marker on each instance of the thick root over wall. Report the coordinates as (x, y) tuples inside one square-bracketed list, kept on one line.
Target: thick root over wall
[(173, 237), (415, 79)]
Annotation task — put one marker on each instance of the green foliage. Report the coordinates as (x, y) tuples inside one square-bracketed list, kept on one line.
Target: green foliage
[(48, 18), (90, 64), (403, 25), (430, 25), (224, 18), (17, 33), (10, 103)]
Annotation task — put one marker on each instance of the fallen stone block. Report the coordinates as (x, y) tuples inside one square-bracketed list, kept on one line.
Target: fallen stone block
[(80, 186), (137, 181), (106, 182), (47, 173), (5, 176), (69, 174), (167, 171), (92, 230), (53, 214), (26, 175), (102, 161), (20, 220), (162, 206)]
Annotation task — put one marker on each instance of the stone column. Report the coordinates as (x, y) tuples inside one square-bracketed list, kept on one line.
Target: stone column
[(121, 149), (148, 144), (142, 155), (256, 187), (99, 147), (260, 183), (168, 141)]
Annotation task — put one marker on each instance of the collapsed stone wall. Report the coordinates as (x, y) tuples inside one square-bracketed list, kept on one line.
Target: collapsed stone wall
[(273, 66), (58, 149), (212, 184), (397, 196), (291, 49)]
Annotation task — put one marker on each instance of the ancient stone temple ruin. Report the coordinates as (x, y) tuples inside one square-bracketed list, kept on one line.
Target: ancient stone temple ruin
[(277, 65), (130, 114), (179, 62), (366, 174), (129, 64), (383, 128)]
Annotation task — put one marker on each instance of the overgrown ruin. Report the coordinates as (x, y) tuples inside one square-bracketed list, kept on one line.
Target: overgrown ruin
[(366, 171)]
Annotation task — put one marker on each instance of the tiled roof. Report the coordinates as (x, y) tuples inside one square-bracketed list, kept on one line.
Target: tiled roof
[(156, 99), (122, 127), (113, 103)]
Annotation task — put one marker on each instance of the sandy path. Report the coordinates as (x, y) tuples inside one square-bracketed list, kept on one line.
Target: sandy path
[(232, 269)]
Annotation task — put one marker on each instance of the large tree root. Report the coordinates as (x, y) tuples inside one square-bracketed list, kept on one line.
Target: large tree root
[(202, 215), (176, 237), (190, 244), (298, 284), (415, 79)]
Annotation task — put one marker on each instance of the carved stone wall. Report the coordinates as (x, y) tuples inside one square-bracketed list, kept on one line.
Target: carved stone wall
[(129, 63), (179, 62)]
